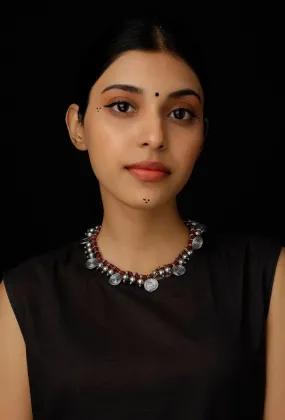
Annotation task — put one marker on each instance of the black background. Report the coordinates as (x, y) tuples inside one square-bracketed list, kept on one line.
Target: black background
[(49, 193)]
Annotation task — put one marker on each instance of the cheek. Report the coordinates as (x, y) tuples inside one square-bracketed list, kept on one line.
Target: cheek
[(105, 148), (186, 155)]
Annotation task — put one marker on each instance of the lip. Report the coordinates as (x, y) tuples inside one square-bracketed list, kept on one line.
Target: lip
[(148, 174), (150, 165)]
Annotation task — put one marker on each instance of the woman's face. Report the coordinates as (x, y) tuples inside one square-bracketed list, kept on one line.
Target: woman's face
[(149, 123)]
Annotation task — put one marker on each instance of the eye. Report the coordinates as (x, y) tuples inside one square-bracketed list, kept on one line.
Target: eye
[(122, 106), (181, 113)]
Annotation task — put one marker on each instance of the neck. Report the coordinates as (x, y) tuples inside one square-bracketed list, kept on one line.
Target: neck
[(139, 240)]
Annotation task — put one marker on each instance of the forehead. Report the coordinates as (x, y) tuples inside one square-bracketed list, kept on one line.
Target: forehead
[(158, 71)]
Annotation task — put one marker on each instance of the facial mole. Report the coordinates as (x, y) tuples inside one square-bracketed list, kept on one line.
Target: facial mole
[(146, 200)]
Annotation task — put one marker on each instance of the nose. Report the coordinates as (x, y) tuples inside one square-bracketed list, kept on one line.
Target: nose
[(153, 133)]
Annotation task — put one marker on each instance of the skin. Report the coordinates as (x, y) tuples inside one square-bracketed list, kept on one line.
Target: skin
[(141, 218)]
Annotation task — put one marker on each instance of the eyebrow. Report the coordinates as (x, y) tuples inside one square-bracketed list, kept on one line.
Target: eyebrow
[(134, 89)]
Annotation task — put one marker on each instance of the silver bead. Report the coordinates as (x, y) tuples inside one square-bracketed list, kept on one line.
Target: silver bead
[(88, 245), (185, 256), (202, 227), (92, 230), (180, 261), (161, 272), (89, 234), (90, 255), (105, 268), (125, 278), (167, 272), (155, 273), (100, 265), (194, 223), (132, 279), (198, 232), (140, 282), (110, 272), (189, 251)]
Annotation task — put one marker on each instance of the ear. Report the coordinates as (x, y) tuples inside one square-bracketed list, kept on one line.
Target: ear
[(75, 128)]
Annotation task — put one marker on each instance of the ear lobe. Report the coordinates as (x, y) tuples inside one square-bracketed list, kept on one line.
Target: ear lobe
[(74, 127)]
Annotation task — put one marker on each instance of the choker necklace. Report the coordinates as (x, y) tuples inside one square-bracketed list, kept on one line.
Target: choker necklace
[(96, 261)]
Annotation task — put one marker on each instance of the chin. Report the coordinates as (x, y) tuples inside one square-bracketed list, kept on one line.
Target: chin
[(139, 198), (147, 201)]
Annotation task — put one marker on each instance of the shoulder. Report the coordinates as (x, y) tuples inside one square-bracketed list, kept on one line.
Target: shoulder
[(248, 260), (246, 247), (31, 285), (33, 278), (60, 256)]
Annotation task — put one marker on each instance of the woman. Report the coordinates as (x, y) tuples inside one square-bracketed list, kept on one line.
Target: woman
[(149, 316)]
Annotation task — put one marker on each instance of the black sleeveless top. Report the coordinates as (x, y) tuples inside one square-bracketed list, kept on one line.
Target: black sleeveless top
[(192, 349)]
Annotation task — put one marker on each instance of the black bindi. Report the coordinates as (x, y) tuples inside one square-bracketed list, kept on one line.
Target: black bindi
[(156, 94)]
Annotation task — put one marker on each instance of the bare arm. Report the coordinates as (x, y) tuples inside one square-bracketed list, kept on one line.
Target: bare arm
[(15, 401), (275, 372)]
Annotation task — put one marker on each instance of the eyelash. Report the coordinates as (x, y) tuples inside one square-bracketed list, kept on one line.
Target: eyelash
[(125, 102)]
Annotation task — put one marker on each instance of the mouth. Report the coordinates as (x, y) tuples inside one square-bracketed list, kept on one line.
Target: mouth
[(147, 174)]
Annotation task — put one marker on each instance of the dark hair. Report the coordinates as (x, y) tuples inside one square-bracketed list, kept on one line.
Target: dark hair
[(140, 34)]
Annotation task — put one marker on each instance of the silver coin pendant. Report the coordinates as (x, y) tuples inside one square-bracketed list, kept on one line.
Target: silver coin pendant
[(197, 242), (92, 263), (115, 279), (151, 285), (178, 270)]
